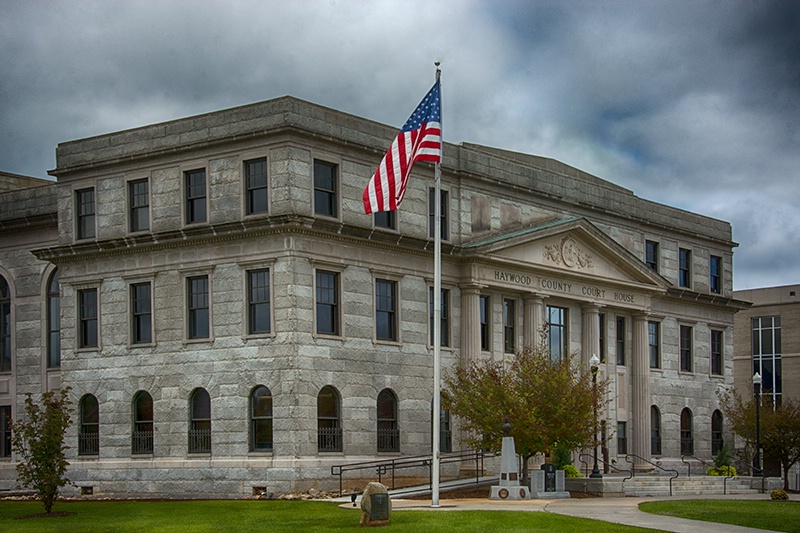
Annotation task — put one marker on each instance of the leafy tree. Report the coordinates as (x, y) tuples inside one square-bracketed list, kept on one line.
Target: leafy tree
[(39, 441), (780, 427), (548, 403)]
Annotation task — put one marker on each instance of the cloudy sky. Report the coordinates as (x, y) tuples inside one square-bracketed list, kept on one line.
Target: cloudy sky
[(695, 104)]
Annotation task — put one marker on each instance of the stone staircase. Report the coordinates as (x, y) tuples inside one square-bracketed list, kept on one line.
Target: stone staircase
[(653, 485)]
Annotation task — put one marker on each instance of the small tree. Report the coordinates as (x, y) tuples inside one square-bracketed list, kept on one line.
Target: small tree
[(780, 427), (547, 402), (39, 441)]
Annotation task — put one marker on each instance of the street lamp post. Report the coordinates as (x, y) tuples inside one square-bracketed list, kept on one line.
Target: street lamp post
[(594, 362), (757, 472)]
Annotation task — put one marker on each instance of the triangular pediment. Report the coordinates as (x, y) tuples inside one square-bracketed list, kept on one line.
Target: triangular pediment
[(571, 247)]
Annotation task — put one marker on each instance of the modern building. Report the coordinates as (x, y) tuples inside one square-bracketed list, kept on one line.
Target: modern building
[(229, 320)]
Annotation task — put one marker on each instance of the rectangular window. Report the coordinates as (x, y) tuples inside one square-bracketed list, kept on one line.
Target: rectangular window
[(686, 348), (651, 254), (87, 318), (5, 431), (654, 344), (557, 332), (385, 310), (327, 305), (443, 216), (621, 341), (325, 189), (715, 274), (84, 200), (139, 198), (767, 356), (684, 267), (716, 352), (602, 337), (622, 438), (141, 314), (258, 302), (386, 219), (198, 303), (196, 195), (443, 319), (255, 172), (509, 323), (486, 319)]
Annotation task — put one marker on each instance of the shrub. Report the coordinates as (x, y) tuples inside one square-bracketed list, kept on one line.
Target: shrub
[(721, 471), (571, 471), (723, 457), (778, 494)]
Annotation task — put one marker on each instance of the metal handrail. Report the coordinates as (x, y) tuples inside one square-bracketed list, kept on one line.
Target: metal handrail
[(382, 467), (677, 474), (590, 456), (689, 465)]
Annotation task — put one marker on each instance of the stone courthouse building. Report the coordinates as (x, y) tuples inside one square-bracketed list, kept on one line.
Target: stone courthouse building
[(229, 318)]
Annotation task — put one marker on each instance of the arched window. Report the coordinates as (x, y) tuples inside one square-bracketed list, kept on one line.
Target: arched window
[(687, 439), (329, 429), (261, 420), (716, 432), (655, 430), (53, 322), (142, 434), (199, 422), (5, 326), (89, 430), (388, 433)]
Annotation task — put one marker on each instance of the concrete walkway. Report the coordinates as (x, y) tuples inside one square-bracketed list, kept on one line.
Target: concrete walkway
[(616, 510)]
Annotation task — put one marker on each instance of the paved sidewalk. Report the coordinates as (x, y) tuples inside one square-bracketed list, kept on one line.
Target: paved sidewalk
[(616, 510)]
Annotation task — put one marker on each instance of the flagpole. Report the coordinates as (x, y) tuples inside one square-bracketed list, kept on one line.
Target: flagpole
[(437, 313)]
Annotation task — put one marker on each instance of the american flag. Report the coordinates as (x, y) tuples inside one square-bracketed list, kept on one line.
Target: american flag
[(419, 140)]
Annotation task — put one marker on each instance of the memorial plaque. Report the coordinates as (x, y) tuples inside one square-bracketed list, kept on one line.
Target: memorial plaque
[(379, 508), (549, 477)]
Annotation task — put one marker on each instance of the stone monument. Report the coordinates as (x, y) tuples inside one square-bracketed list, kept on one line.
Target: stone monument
[(376, 505), (548, 483), (509, 487)]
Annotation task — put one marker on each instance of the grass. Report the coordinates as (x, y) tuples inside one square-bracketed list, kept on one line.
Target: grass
[(760, 514), (272, 516)]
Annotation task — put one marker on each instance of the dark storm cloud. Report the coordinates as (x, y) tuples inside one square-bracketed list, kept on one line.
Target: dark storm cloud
[(694, 104)]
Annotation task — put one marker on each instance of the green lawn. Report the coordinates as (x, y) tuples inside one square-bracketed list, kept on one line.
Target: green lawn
[(273, 516), (762, 514)]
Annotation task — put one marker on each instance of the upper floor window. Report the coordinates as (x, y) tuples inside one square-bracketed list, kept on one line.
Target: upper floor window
[(716, 352), (651, 254), (255, 172), (329, 424), (5, 326), (198, 307), (687, 362), (5, 431), (196, 196), (325, 189), (139, 198), (142, 433), (200, 422), (509, 326), (486, 320), (444, 319), (141, 313), (327, 303), (602, 336), (557, 332), (89, 430), (258, 302), (261, 420), (386, 219), (684, 267), (385, 310), (767, 356), (388, 432), (53, 322), (87, 318), (715, 274), (620, 335), (443, 215), (654, 344), (84, 201)]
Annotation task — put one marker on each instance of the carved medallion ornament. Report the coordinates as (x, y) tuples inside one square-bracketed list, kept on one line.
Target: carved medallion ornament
[(569, 253)]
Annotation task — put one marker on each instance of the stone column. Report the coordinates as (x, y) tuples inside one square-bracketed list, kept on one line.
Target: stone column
[(470, 323), (590, 333), (640, 397), (533, 319)]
